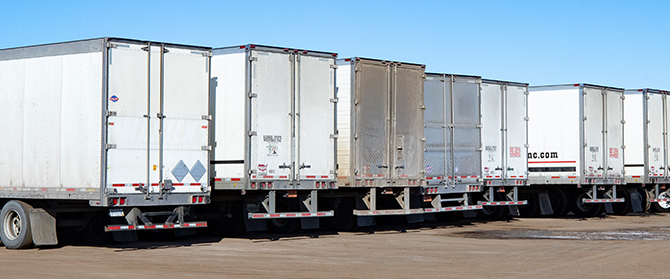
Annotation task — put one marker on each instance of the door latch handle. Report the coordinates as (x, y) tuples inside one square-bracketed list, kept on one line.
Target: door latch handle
[(498, 168), (400, 167), (383, 166), (510, 168), (303, 166), (284, 166), (609, 168), (600, 168)]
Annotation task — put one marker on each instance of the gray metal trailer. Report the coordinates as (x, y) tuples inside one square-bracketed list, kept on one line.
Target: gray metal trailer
[(380, 141), (102, 129)]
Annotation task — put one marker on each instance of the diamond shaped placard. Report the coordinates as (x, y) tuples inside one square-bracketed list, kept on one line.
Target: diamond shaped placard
[(180, 171), (198, 170)]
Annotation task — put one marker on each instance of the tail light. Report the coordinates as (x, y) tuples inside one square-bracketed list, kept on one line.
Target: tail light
[(201, 199), (115, 201), (269, 185), (253, 185)]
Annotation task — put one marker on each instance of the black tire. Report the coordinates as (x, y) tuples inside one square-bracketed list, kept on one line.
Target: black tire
[(559, 202), (449, 217), (662, 206), (343, 218), (582, 209), (15, 225), (645, 195), (532, 209), (284, 225), (622, 208), (230, 222), (494, 213)]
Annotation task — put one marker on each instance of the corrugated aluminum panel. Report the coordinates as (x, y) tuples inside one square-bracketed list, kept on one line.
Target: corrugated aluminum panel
[(372, 118), (407, 142), (655, 135), (437, 152), (614, 133), (466, 134)]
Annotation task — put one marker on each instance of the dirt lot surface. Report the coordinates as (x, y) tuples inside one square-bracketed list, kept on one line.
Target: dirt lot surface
[(611, 247)]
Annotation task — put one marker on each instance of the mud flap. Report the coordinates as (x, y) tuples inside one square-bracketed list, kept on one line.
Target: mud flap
[(545, 203), (43, 227), (309, 223), (635, 200), (364, 221), (415, 218), (608, 209), (253, 225), (185, 232)]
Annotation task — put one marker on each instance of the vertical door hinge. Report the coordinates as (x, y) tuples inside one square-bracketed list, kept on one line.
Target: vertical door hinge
[(206, 117), (111, 113), (252, 133), (206, 147), (333, 66), (110, 146), (253, 58)]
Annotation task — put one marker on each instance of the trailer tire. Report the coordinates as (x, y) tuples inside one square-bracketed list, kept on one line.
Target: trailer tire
[(532, 209), (284, 225), (662, 206), (622, 208), (343, 218), (494, 213), (231, 225), (15, 225), (559, 202), (582, 209)]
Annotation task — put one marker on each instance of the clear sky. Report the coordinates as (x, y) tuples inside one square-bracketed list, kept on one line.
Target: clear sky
[(614, 43)]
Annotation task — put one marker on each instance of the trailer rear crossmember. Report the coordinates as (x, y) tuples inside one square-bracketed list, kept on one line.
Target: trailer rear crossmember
[(602, 200), (291, 215), (505, 203), (116, 228)]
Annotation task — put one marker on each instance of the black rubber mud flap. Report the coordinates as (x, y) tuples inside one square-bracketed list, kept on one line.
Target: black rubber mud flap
[(545, 203), (250, 224), (635, 200)]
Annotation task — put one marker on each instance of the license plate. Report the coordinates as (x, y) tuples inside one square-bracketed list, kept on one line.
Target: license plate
[(116, 212)]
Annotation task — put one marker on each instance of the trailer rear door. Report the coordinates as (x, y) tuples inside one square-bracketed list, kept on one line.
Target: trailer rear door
[(372, 118), (614, 133), (407, 146), (594, 158), (466, 130), (315, 122), (515, 131), (271, 119), (438, 152), (492, 135), (655, 130)]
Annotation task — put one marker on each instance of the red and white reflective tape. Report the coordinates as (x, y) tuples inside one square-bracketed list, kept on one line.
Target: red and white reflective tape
[(315, 176), (291, 215), (269, 176), (388, 212), (659, 200), (228, 179), (505, 203), (453, 208), (112, 228), (152, 184), (602, 200)]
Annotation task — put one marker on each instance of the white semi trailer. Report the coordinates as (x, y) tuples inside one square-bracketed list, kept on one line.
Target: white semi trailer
[(646, 154), (273, 133), (575, 154), (102, 132)]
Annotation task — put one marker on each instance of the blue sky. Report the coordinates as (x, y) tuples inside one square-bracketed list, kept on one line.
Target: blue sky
[(615, 43)]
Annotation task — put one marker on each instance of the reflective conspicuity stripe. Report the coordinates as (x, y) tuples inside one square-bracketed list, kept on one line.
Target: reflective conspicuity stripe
[(453, 208), (602, 200), (659, 200), (291, 215), (112, 228), (388, 212), (505, 203)]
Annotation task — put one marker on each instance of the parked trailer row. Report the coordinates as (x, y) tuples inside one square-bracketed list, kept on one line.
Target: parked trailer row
[(131, 134)]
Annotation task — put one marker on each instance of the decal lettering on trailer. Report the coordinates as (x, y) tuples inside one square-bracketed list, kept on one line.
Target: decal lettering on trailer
[(491, 149), (542, 155), (614, 152), (273, 148), (516, 152)]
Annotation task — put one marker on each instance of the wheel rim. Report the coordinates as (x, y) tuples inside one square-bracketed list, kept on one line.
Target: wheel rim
[(12, 228), (581, 205), (663, 204)]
